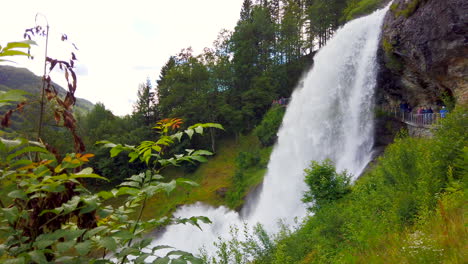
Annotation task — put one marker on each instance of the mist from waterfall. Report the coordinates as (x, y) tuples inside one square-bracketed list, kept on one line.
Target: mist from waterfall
[(329, 116)]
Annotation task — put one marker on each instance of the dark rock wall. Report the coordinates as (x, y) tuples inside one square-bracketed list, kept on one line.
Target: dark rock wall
[(424, 53), (423, 59)]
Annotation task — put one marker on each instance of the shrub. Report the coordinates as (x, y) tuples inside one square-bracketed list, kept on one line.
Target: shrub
[(325, 184), (48, 215), (356, 9), (266, 131)]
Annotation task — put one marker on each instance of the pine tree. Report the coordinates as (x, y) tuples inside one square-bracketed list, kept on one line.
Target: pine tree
[(144, 108)]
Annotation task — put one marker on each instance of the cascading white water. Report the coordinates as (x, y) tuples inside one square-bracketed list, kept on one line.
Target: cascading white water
[(329, 116)]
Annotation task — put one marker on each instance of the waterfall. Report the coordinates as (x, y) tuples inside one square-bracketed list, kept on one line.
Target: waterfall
[(329, 116)]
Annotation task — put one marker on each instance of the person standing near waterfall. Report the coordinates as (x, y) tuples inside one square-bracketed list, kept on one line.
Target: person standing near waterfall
[(443, 112)]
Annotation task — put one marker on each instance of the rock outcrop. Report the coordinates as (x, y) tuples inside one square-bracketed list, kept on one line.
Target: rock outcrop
[(424, 53)]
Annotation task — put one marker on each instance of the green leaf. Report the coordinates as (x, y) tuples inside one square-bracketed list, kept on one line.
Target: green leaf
[(164, 260), (89, 176), (105, 195), (168, 187), (129, 251), (73, 234), (205, 125), (199, 158), (131, 184), (185, 181), (141, 258), (18, 194), (178, 253), (18, 260), (94, 231), (26, 150), (10, 214), (19, 44), (178, 135), (108, 243), (104, 212), (178, 261), (160, 247), (38, 256), (202, 152), (116, 150), (83, 248), (13, 53), (13, 95), (123, 234), (199, 130), (43, 243), (133, 156), (65, 246), (193, 220), (189, 132), (127, 191)]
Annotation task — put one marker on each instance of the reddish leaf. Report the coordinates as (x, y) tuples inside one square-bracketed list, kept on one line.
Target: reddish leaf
[(57, 116), (20, 106), (69, 120), (79, 145), (74, 81), (69, 101), (6, 119)]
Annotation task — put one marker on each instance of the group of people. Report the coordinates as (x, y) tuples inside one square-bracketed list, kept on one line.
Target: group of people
[(424, 114), (281, 101)]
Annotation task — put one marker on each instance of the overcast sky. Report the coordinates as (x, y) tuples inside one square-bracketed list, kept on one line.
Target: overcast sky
[(121, 43)]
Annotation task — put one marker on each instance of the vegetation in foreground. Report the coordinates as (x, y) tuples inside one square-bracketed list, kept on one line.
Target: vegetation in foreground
[(47, 215)]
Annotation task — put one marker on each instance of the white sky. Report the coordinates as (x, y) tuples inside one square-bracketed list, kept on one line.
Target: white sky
[(121, 43)]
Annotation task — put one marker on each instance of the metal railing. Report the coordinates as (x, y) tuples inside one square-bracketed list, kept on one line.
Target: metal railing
[(418, 120)]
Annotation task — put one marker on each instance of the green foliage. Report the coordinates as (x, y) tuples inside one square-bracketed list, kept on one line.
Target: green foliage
[(250, 167), (16, 49), (48, 215), (358, 8), (392, 61), (325, 184), (407, 9), (449, 101), (242, 247), (267, 129), (11, 96)]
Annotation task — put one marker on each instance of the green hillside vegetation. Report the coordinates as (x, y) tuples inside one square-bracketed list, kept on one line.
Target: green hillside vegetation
[(23, 79), (410, 207)]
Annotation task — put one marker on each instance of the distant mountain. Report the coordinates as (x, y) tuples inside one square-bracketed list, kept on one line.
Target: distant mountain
[(24, 79)]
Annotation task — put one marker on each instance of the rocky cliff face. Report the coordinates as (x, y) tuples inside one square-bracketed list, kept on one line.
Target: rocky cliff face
[(424, 53)]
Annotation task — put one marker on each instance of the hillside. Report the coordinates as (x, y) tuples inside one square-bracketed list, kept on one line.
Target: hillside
[(23, 79)]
